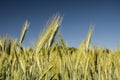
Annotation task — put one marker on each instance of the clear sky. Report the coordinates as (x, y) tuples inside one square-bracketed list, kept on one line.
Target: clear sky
[(78, 15)]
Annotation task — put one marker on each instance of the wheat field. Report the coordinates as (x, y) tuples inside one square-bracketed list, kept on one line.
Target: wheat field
[(52, 59)]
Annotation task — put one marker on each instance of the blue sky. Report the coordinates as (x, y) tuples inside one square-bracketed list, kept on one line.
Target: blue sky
[(78, 15)]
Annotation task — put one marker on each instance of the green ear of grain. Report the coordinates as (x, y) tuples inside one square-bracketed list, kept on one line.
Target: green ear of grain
[(25, 28), (88, 41), (55, 27), (49, 35)]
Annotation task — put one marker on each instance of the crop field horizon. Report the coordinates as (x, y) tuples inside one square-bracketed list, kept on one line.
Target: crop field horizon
[(53, 59)]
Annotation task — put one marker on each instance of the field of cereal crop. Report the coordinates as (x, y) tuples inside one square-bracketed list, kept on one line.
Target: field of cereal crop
[(52, 59)]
